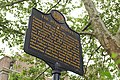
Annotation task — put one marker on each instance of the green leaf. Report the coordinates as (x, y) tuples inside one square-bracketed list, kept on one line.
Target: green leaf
[(105, 73), (114, 55), (118, 61)]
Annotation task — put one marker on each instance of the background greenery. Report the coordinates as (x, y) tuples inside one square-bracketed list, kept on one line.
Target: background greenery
[(98, 65)]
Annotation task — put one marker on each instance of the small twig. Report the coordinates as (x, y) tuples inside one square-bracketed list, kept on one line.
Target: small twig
[(88, 63), (53, 6), (86, 33), (98, 48), (103, 60), (89, 23), (16, 2), (42, 73), (66, 2), (90, 39)]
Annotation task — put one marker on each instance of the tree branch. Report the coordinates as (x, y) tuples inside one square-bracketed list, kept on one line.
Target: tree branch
[(41, 73), (118, 30), (118, 33), (88, 63), (87, 25), (16, 2), (106, 39), (100, 31), (117, 37), (53, 6), (86, 33)]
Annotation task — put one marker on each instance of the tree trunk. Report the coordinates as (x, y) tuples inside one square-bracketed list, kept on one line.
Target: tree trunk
[(110, 43)]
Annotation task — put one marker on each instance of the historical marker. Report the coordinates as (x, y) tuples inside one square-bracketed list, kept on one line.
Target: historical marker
[(49, 38)]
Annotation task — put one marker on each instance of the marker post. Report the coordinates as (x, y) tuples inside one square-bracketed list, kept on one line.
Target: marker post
[(56, 74)]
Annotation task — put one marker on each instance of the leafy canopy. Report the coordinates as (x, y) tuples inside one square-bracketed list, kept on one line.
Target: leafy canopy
[(98, 65)]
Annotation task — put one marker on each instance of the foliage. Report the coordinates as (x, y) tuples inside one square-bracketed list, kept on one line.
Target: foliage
[(98, 65)]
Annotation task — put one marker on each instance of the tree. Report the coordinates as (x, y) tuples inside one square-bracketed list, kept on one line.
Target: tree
[(111, 43), (100, 41)]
